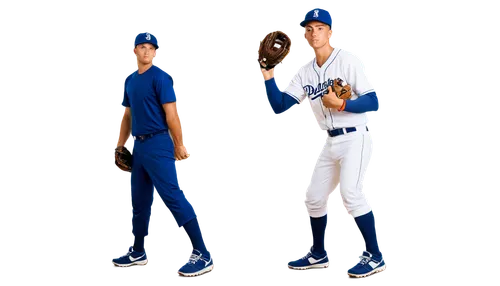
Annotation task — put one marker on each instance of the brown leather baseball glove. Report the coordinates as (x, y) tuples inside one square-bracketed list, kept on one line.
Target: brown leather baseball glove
[(273, 49), (123, 159)]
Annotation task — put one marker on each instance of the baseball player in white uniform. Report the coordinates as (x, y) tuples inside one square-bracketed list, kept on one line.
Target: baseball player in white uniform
[(347, 150)]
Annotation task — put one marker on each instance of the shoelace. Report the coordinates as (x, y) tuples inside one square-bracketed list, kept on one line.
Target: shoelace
[(364, 259), (307, 254), (127, 252), (194, 258)]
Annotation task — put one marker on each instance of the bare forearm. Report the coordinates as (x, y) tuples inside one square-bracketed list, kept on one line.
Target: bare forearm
[(174, 125), (125, 129)]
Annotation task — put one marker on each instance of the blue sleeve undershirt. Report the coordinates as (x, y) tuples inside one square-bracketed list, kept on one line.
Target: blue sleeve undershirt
[(281, 101), (369, 102)]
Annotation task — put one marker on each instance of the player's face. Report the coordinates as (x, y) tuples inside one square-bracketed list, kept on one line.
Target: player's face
[(317, 34), (145, 53)]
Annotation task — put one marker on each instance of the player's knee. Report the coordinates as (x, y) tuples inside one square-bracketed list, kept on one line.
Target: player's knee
[(351, 196), (349, 188), (315, 202), (356, 206)]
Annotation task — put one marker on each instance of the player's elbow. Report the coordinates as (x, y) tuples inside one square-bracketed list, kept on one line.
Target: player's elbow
[(379, 103), (277, 111), (172, 118), (374, 101), (273, 110)]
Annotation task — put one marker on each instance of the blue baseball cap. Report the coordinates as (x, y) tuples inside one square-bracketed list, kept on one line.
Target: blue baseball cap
[(146, 38), (319, 15)]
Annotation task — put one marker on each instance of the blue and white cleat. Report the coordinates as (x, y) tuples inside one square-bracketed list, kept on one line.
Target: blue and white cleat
[(309, 261), (198, 264), (368, 265), (131, 258)]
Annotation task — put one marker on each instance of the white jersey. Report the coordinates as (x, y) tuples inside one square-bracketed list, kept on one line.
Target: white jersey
[(311, 81)]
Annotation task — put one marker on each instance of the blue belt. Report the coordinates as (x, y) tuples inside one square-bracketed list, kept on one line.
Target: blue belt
[(340, 131), (147, 136)]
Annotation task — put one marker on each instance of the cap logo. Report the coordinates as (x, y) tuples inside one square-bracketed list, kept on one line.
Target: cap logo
[(148, 36), (316, 14)]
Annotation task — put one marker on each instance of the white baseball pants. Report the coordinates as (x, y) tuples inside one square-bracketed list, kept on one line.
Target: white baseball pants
[(344, 160)]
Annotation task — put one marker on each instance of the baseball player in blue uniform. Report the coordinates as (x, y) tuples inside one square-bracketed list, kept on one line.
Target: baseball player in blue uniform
[(151, 116), (347, 150)]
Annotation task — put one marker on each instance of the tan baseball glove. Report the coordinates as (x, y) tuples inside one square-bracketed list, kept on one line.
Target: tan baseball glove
[(342, 90)]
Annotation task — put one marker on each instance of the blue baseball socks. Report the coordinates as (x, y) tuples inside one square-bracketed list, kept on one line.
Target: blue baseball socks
[(318, 228), (367, 225), (195, 234), (139, 244), (140, 229)]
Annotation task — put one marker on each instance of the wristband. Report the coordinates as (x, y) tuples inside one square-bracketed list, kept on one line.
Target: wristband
[(343, 106)]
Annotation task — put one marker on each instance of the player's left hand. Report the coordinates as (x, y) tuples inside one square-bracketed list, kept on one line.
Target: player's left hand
[(268, 74), (180, 153), (330, 100)]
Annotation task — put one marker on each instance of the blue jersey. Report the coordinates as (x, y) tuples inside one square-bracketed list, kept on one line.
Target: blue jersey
[(144, 94)]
